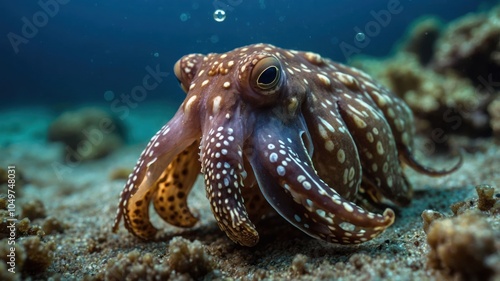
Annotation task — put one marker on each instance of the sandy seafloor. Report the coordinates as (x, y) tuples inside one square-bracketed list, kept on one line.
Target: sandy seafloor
[(85, 198)]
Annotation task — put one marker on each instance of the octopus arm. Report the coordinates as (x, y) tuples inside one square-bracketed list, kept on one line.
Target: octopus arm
[(382, 173), (400, 118), (142, 183), (335, 154), (174, 185), (290, 184), (408, 158), (222, 164)]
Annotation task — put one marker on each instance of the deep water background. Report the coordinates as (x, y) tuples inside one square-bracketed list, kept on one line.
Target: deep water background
[(89, 47)]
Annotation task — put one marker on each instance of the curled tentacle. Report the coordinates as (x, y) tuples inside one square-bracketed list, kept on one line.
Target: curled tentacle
[(408, 158), (285, 174), (400, 118), (142, 183)]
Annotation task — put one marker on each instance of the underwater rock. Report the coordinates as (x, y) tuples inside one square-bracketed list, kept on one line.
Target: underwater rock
[(32, 257), (447, 77), (299, 265), (189, 257), (470, 46), (441, 103), (88, 133), (422, 38), (134, 266), (429, 216), (20, 257), (23, 226), (53, 225), (39, 255), (487, 202), (187, 261), (462, 246), (466, 246), (33, 210)]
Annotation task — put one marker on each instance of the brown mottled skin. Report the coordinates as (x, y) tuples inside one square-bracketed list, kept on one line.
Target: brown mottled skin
[(309, 135)]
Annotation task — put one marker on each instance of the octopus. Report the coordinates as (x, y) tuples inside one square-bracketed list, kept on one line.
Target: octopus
[(277, 131)]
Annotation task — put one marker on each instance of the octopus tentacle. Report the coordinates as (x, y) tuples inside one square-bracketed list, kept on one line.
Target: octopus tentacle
[(222, 163), (287, 162), (396, 112), (141, 185), (317, 223), (335, 152), (174, 185), (408, 158), (400, 118), (377, 151)]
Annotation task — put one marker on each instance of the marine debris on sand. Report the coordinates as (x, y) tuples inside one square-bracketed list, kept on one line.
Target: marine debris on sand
[(466, 246)]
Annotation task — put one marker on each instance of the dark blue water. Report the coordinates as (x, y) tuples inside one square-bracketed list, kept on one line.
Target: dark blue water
[(69, 51)]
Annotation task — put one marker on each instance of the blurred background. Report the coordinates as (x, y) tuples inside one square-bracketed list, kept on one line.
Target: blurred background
[(78, 50)]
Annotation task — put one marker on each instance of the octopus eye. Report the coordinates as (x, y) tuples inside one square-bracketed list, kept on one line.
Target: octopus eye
[(267, 73), (268, 78)]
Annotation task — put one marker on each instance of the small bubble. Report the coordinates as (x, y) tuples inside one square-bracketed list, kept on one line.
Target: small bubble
[(109, 95), (219, 15), (185, 16), (156, 54), (360, 36), (282, 18), (214, 39)]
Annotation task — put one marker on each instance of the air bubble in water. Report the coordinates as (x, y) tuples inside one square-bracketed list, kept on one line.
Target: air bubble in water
[(219, 15), (360, 36), (214, 39), (185, 16)]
